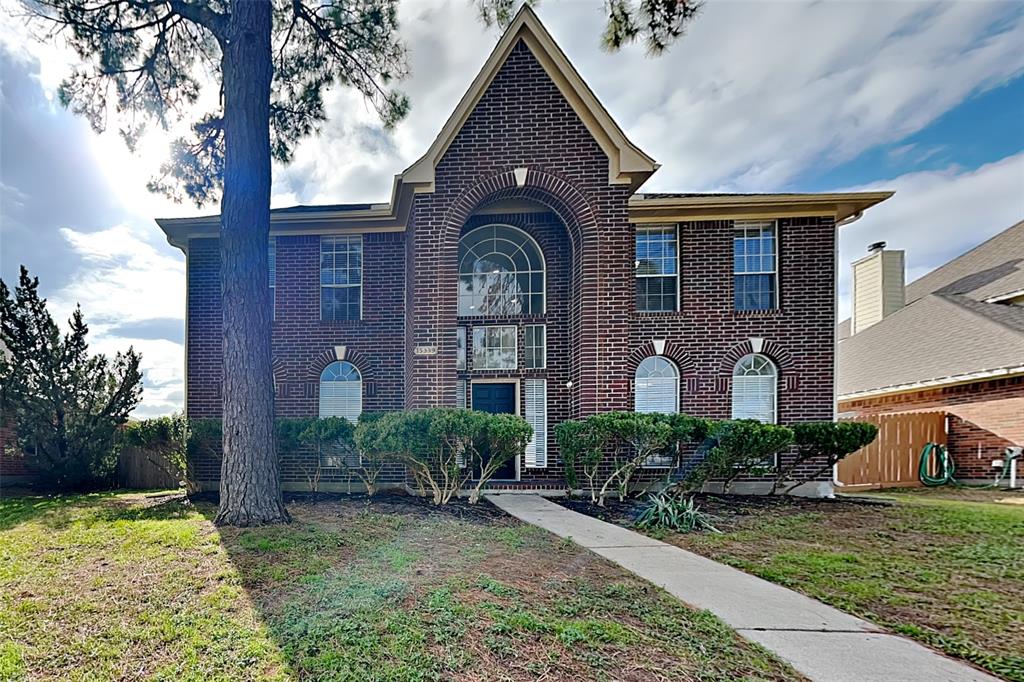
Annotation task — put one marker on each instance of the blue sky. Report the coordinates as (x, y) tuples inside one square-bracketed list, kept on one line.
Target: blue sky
[(923, 98), (982, 129)]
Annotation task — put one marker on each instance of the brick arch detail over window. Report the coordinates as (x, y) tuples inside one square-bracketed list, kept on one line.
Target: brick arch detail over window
[(684, 362), (579, 217), (279, 372), (358, 359), (561, 196), (782, 358)]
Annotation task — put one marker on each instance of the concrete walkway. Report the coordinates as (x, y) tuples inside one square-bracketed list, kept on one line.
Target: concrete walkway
[(821, 642)]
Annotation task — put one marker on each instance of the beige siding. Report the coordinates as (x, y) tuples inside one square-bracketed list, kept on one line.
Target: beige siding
[(877, 288)]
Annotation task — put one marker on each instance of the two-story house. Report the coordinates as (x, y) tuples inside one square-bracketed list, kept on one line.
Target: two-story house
[(517, 268)]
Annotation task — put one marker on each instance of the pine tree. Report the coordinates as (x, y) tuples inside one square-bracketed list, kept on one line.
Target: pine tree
[(64, 403), (272, 61)]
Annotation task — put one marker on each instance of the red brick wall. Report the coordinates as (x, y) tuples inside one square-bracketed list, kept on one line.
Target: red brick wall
[(303, 344), (11, 464), (708, 336), (971, 407), (595, 339)]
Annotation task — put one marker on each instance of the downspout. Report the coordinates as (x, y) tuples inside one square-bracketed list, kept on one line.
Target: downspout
[(835, 363)]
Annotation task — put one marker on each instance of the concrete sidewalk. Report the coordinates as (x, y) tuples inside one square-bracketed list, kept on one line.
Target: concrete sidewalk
[(821, 642)]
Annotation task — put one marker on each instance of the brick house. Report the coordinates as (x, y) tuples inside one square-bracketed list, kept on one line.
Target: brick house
[(952, 341), (517, 268)]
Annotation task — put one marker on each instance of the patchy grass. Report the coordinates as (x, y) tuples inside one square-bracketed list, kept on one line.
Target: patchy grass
[(133, 586), (944, 566)]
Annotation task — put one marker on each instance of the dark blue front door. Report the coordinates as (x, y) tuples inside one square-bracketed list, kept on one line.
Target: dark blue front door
[(497, 399)]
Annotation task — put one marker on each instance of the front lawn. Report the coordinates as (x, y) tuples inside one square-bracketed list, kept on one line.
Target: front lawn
[(944, 566), (134, 586)]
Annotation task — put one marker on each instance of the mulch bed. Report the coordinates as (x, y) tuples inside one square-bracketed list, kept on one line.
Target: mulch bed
[(727, 510)]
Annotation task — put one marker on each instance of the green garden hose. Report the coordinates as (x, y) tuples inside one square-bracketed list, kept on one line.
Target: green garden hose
[(944, 465)]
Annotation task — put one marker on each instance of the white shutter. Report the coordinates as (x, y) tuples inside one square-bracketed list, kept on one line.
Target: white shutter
[(657, 394), (753, 397), (341, 399), (536, 393), (460, 394), (272, 261)]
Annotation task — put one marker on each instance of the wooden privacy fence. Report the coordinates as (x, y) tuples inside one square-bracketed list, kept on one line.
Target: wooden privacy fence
[(141, 468), (892, 460)]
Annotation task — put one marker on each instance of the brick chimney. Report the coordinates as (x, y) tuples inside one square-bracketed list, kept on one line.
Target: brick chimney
[(878, 286)]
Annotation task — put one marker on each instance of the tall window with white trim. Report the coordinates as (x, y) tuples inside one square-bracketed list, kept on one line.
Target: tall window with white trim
[(341, 277), (755, 265), (501, 272), (341, 391), (754, 388), (657, 269)]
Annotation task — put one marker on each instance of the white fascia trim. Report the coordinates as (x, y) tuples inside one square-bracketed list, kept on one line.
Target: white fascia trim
[(936, 383), (1004, 297)]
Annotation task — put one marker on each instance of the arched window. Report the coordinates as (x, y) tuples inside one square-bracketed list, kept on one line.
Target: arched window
[(754, 384), (657, 386), (501, 272), (341, 391)]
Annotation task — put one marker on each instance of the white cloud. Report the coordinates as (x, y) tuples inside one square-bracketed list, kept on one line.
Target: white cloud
[(756, 96), (123, 281), (935, 216)]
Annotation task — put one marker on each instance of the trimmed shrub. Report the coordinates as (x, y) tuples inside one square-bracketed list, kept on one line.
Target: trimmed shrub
[(444, 447), (505, 437), (581, 444), (742, 446), (829, 442), (618, 443)]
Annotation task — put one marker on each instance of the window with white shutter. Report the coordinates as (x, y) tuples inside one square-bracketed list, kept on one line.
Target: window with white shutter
[(754, 385), (272, 272), (656, 389), (536, 394), (341, 391)]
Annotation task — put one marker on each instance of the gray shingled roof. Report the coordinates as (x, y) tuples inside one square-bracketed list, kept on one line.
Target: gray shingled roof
[(946, 329), (992, 268)]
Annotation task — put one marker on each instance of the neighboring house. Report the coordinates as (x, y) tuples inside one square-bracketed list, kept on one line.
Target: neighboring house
[(517, 269), (952, 340)]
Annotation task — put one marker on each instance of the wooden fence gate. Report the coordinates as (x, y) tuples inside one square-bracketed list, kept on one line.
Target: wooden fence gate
[(145, 469), (892, 460)]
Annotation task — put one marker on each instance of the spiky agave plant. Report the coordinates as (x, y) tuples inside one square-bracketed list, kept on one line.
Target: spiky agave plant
[(671, 510)]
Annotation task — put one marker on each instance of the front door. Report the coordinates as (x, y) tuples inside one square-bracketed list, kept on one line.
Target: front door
[(497, 399)]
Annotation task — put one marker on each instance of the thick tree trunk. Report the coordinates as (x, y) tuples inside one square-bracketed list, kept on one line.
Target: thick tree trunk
[(250, 486)]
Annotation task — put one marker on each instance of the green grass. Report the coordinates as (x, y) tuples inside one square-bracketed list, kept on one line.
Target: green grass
[(129, 586), (944, 567)]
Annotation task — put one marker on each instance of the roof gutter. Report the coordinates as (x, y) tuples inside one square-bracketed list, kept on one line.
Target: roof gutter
[(942, 382)]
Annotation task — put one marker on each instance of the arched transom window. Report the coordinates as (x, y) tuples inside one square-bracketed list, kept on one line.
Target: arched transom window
[(754, 385), (341, 391), (657, 386), (501, 272)]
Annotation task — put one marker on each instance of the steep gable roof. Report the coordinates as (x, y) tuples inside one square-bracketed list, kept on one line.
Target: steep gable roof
[(991, 269), (627, 163)]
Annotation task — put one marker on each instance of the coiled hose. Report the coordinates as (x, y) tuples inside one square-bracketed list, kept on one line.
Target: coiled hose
[(944, 468)]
